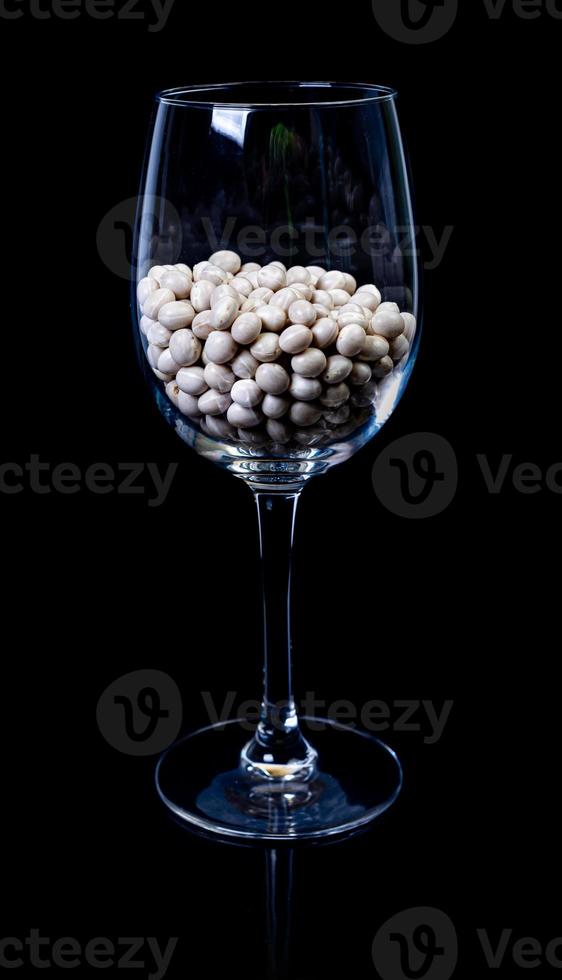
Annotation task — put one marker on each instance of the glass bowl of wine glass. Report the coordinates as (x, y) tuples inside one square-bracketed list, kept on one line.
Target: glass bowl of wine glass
[(275, 310)]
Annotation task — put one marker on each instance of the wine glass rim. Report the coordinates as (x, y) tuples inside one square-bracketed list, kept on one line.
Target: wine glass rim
[(209, 95)]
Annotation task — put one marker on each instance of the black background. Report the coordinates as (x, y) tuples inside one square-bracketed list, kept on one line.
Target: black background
[(460, 606)]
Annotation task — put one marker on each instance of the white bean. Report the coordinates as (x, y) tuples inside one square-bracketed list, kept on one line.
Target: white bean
[(409, 326), (284, 298), (252, 278), (184, 347), (207, 272), (398, 348), (387, 324), (366, 299), (226, 260), (246, 328), (220, 347), (371, 288), (383, 367), (219, 377), (351, 340), (145, 324), (324, 332), (250, 267), (374, 347), (213, 402), (339, 297), (272, 277), (352, 316), (302, 311), (305, 413), (224, 313), (166, 362), (155, 272), (261, 293), (310, 363), (350, 285), (192, 380), (244, 365), (201, 325), (200, 295), (295, 339), (305, 389), (176, 315), (303, 290), (182, 267), (360, 373), (331, 280), (272, 317), (337, 369), (322, 296), (155, 301), (145, 287), (188, 405), (242, 417), (335, 395), (266, 347), (219, 428), (278, 431), (274, 406), (158, 334), (247, 393), (177, 282), (272, 378), (321, 311), (389, 307), (219, 292), (172, 391), (298, 273), (365, 396), (162, 376), (241, 285)]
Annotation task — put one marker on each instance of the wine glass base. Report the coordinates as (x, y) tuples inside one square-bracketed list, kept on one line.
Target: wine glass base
[(202, 782)]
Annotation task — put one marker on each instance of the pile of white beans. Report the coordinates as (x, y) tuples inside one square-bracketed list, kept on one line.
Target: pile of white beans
[(259, 354)]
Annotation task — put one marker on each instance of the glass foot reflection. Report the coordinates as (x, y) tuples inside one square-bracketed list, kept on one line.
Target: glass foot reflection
[(358, 778)]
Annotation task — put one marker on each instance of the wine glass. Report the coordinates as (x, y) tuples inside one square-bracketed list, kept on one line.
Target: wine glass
[(281, 177)]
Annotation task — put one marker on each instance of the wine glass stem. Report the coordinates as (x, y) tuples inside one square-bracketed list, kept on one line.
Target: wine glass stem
[(276, 521)]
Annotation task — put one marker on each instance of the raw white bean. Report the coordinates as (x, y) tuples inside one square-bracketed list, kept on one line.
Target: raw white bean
[(162, 376), (295, 339), (243, 418), (201, 325), (331, 280), (252, 278), (219, 377), (352, 316), (177, 282), (272, 277), (351, 340), (172, 391), (298, 273), (389, 307), (155, 272), (321, 311), (398, 348), (241, 285), (176, 315), (305, 413), (337, 369), (371, 288), (246, 328), (158, 334), (262, 293), (278, 431), (365, 299), (383, 367), (169, 267), (274, 406), (284, 298), (188, 405), (409, 326), (272, 317), (280, 265), (145, 324), (213, 402), (266, 347), (219, 292), (250, 267), (155, 301), (192, 380), (339, 297), (387, 324), (200, 295), (305, 389), (310, 363), (322, 296), (244, 365), (220, 347), (145, 287), (226, 260), (324, 332), (335, 395), (166, 362), (247, 393), (152, 354), (302, 311), (374, 347), (219, 428), (272, 378), (350, 285), (303, 290), (360, 373), (207, 272), (184, 347), (182, 267), (224, 313)]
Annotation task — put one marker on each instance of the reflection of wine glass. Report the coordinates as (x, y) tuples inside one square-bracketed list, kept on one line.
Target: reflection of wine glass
[(307, 175)]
